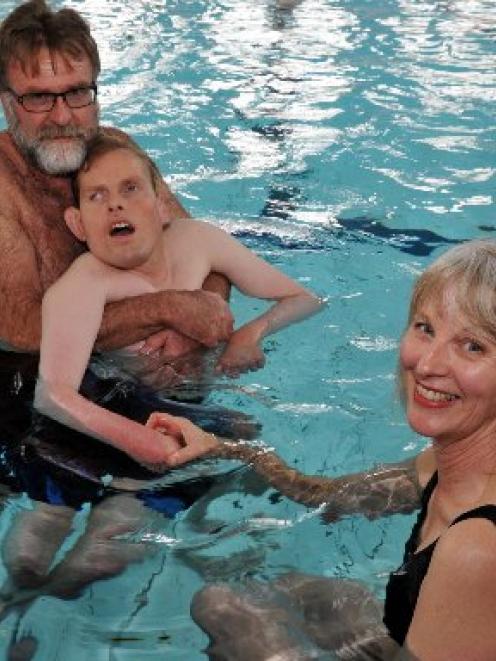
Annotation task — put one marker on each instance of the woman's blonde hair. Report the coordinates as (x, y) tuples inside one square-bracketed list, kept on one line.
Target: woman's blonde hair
[(468, 271)]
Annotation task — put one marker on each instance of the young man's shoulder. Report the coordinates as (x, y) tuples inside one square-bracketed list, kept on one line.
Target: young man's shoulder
[(86, 268)]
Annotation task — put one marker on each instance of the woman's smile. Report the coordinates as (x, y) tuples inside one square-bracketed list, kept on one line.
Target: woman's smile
[(432, 398)]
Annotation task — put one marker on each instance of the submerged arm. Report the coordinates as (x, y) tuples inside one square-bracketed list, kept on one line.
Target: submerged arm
[(387, 489)]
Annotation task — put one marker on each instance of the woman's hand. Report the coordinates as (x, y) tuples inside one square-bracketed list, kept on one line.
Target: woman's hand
[(242, 354), (192, 442)]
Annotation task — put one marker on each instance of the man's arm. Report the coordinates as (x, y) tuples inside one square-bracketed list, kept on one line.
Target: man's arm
[(71, 314), (200, 315), (20, 289)]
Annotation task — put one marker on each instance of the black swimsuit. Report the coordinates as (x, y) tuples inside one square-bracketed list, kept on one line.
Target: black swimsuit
[(404, 584)]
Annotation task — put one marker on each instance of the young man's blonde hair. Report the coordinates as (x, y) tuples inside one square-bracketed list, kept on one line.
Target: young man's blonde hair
[(104, 143)]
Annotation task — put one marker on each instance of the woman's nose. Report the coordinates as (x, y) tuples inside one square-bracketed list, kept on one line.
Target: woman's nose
[(433, 360)]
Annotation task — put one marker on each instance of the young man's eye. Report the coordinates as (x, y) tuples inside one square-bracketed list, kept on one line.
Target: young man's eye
[(95, 196), (131, 187)]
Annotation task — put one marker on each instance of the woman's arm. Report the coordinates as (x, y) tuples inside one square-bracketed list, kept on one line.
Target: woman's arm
[(388, 489)]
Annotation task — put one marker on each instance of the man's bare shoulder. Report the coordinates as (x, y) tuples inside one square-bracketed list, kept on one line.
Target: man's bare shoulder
[(197, 231), (112, 132), (13, 171)]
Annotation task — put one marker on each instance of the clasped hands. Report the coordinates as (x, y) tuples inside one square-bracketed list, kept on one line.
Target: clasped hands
[(183, 440)]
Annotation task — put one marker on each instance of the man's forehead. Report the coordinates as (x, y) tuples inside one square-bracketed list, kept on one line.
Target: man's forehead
[(48, 64)]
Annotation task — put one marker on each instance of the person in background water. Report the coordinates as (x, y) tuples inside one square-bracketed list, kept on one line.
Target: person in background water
[(134, 249), (440, 603)]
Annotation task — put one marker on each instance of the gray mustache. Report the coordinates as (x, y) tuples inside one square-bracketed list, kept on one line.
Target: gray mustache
[(50, 132)]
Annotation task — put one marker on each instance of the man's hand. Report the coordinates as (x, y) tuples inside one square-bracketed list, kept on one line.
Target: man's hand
[(169, 344), (211, 322), (200, 315)]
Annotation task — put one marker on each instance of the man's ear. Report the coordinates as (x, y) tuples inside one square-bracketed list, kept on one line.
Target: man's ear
[(72, 217)]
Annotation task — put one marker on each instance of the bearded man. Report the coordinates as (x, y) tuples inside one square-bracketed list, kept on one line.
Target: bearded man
[(49, 65)]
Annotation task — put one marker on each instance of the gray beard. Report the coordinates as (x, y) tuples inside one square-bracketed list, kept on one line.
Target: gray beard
[(58, 159), (46, 152)]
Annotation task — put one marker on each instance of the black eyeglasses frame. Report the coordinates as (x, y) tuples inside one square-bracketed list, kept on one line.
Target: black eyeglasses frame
[(20, 98)]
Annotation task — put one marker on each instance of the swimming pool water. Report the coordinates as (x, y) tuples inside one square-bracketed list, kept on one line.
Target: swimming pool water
[(348, 142)]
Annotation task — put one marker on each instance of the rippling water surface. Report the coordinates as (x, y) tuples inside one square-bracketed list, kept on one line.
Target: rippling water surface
[(348, 142)]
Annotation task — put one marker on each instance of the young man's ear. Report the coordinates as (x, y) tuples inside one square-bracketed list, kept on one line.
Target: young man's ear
[(72, 217), (163, 212)]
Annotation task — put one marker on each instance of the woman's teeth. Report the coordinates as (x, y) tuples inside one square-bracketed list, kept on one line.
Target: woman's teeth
[(435, 395)]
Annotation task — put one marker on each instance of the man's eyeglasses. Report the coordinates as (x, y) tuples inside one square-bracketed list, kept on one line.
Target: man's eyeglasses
[(79, 97)]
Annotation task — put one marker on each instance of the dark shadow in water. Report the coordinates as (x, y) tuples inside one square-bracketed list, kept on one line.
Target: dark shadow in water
[(283, 201), (417, 242)]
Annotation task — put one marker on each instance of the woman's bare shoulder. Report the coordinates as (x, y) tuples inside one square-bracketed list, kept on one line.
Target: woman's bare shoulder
[(425, 465)]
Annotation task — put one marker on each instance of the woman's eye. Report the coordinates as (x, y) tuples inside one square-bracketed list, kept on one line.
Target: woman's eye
[(473, 346), (423, 327)]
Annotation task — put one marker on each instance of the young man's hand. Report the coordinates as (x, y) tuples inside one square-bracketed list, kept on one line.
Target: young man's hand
[(243, 353)]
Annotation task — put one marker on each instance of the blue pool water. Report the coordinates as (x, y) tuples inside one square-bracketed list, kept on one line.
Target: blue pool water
[(348, 142)]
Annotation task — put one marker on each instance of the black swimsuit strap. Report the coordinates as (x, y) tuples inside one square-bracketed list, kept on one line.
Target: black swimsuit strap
[(429, 488), (481, 512)]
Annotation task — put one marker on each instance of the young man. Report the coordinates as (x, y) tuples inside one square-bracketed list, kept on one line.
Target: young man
[(135, 249)]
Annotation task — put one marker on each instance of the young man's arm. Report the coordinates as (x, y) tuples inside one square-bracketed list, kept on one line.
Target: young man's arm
[(254, 277), (71, 315)]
